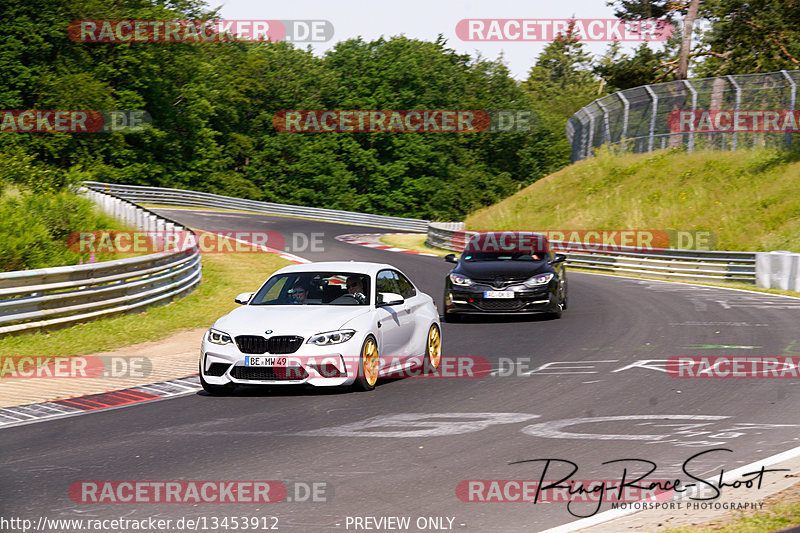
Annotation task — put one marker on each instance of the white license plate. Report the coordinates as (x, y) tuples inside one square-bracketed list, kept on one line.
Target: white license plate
[(498, 294), (260, 360)]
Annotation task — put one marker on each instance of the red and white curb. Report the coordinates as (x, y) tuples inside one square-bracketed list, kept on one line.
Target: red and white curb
[(25, 414), (373, 240)]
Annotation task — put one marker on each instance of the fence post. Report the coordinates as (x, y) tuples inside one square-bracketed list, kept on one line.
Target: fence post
[(584, 138), (626, 106), (792, 100), (606, 127), (694, 108), (652, 117), (738, 103)]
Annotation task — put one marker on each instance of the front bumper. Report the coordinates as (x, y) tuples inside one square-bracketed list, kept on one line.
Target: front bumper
[(312, 365), (471, 300)]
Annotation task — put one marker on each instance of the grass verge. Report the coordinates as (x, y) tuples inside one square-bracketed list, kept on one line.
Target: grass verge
[(749, 199), (224, 276), (782, 512)]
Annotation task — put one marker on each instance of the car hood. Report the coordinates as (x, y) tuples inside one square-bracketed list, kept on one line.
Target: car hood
[(301, 320), (502, 269)]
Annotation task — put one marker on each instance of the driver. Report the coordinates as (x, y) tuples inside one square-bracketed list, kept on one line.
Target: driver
[(356, 287)]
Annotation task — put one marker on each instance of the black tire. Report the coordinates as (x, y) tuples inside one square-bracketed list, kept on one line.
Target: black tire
[(558, 312), (216, 390), (363, 382)]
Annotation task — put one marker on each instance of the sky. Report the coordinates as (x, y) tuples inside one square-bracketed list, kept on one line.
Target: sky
[(425, 19)]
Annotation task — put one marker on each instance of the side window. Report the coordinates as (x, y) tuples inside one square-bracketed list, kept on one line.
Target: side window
[(407, 289), (386, 281)]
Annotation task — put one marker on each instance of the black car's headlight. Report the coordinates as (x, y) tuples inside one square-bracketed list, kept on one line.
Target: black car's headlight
[(538, 280), (218, 337), (331, 337), (462, 281)]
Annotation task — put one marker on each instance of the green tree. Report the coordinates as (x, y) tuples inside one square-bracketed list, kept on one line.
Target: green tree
[(752, 36), (622, 71)]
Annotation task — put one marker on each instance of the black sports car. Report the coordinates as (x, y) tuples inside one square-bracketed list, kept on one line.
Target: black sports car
[(506, 272)]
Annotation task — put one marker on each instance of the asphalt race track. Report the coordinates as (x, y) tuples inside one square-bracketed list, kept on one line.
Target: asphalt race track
[(402, 449)]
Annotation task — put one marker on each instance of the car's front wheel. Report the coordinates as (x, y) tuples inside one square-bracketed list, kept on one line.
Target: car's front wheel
[(368, 365), (433, 353), (559, 310)]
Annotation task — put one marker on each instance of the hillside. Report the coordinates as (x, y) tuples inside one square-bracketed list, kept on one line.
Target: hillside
[(750, 199)]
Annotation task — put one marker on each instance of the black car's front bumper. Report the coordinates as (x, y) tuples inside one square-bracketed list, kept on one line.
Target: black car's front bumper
[(471, 299)]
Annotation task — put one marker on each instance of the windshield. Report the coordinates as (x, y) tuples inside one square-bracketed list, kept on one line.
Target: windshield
[(502, 256), (314, 288)]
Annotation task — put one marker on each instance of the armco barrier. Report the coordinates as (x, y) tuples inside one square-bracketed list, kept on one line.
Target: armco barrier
[(182, 198), (62, 295), (778, 270), (687, 265)]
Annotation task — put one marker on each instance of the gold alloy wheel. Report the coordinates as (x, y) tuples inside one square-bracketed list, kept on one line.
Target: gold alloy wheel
[(369, 360), (434, 346)]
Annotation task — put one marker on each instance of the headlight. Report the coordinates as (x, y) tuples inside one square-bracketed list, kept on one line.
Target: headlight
[(218, 337), (458, 279), (331, 337), (541, 279)]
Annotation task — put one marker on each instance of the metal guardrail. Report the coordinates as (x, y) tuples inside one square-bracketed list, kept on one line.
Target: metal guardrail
[(183, 198), (636, 119), (58, 296), (778, 270), (668, 264)]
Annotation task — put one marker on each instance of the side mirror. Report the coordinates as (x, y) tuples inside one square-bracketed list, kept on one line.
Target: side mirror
[(243, 298), (451, 258), (389, 299), (559, 258)]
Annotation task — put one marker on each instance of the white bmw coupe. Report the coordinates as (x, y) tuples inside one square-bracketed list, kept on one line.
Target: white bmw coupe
[(325, 324)]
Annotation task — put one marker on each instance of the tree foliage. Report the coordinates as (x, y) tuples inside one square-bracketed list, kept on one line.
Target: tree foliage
[(213, 104), (212, 107)]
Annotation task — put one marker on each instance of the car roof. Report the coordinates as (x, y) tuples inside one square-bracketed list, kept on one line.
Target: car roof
[(359, 267)]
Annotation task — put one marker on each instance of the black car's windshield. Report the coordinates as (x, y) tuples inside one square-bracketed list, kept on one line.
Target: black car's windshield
[(314, 288), (501, 256)]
